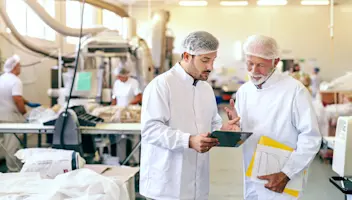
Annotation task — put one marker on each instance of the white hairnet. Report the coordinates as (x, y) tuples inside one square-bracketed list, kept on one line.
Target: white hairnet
[(199, 43), (11, 63), (261, 46), (123, 71)]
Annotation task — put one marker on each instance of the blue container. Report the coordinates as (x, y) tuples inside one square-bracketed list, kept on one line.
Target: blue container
[(218, 99)]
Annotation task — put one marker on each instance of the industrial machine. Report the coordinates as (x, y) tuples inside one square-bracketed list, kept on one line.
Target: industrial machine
[(100, 51), (342, 164)]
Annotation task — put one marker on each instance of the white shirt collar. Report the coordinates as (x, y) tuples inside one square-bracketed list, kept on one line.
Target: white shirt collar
[(184, 75), (272, 80)]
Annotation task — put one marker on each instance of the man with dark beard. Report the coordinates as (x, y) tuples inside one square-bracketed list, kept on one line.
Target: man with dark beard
[(178, 113)]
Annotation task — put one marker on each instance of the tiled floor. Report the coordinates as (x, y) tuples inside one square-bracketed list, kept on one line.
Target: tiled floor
[(226, 177)]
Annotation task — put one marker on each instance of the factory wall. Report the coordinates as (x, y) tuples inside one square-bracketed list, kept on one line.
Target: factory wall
[(302, 32)]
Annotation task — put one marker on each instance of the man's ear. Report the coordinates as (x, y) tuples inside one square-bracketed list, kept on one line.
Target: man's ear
[(277, 60), (187, 56)]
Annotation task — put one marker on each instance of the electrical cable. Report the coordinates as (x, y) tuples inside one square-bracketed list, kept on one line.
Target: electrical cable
[(62, 141)]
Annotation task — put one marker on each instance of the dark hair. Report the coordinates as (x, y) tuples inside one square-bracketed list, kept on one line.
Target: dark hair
[(183, 53)]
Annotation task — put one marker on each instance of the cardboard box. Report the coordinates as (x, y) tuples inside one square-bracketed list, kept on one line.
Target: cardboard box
[(123, 173)]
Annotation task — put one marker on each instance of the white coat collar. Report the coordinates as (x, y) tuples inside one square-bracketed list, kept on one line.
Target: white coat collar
[(189, 80), (272, 80)]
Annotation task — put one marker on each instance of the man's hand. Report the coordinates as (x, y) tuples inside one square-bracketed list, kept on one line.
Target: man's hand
[(276, 182), (231, 112), (202, 143), (231, 125)]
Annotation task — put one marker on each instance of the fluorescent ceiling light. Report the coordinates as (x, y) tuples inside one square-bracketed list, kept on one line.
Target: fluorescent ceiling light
[(315, 3), (193, 3), (234, 3), (272, 2)]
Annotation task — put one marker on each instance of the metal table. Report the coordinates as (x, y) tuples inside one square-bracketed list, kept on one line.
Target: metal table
[(103, 128)]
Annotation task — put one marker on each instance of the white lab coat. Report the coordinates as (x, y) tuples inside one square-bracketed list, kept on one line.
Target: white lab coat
[(315, 84), (172, 110), (124, 92), (10, 85), (281, 110)]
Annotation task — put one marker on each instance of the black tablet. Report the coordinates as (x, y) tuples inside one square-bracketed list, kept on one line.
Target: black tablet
[(230, 138)]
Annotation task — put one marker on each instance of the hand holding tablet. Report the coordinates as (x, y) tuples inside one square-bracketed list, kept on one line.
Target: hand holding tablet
[(230, 138)]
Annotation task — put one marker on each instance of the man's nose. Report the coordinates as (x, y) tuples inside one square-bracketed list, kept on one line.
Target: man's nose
[(210, 67), (255, 69)]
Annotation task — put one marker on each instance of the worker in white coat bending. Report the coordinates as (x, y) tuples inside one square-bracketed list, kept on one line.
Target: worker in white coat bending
[(178, 113), (12, 109), (277, 106)]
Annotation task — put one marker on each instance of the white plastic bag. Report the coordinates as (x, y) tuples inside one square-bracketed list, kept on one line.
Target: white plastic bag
[(49, 162), (40, 115), (81, 184)]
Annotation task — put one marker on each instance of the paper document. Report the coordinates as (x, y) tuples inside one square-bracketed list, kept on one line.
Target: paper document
[(269, 158)]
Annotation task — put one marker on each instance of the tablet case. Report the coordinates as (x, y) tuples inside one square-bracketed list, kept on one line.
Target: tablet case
[(230, 138)]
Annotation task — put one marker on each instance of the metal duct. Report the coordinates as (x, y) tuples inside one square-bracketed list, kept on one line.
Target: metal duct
[(31, 46), (108, 6), (58, 27), (159, 21), (145, 65)]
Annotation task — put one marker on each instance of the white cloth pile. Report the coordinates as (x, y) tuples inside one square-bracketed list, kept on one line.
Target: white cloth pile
[(41, 114), (81, 184)]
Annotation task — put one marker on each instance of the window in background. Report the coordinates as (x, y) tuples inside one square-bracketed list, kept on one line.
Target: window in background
[(17, 12), (27, 21), (73, 17), (111, 20)]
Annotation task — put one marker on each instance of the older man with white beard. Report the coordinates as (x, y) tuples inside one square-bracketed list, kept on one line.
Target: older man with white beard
[(275, 105)]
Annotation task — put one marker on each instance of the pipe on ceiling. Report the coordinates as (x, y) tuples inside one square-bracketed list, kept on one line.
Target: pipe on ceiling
[(58, 27)]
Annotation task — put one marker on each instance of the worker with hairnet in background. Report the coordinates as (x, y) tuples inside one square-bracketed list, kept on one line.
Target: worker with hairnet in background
[(315, 82), (277, 106), (12, 109), (178, 113), (126, 90)]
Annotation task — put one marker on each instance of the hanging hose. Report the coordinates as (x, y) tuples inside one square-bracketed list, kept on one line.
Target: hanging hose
[(62, 139)]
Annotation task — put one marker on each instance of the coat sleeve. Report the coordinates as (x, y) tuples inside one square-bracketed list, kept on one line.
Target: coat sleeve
[(216, 123), (309, 137), (155, 117)]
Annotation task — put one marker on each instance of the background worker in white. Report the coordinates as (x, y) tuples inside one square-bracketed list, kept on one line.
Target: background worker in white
[(126, 90), (316, 80), (12, 109), (278, 106), (178, 113)]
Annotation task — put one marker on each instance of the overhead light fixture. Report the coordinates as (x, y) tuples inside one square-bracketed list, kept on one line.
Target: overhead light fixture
[(234, 3), (272, 2), (193, 3), (315, 3)]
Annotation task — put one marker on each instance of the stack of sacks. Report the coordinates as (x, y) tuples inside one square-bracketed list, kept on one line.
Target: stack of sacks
[(49, 162), (118, 114)]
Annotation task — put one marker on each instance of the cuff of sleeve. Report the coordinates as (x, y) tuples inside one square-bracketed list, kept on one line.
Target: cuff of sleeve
[(185, 140), (288, 172)]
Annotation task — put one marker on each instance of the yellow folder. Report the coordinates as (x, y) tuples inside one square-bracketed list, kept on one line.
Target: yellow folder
[(266, 141)]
